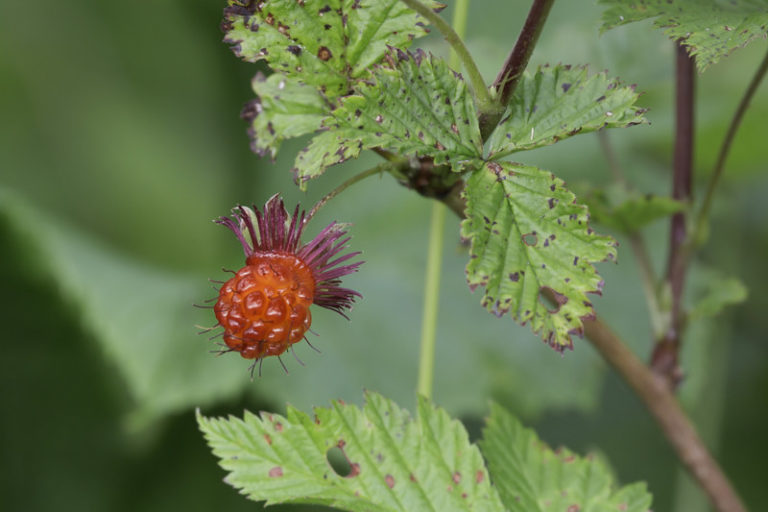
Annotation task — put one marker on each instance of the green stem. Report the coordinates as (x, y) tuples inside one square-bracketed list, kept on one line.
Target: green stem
[(725, 149), (485, 103), (431, 300), (436, 230), (381, 168)]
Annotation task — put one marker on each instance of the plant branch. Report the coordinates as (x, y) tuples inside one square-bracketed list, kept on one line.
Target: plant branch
[(517, 60), (485, 103), (725, 148), (661, 403), (663, 406), (431, 301), (665, 357), (381, 168), (637, 243)]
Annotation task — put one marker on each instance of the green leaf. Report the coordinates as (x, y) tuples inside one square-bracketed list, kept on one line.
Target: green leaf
[(531, 243), (323, 43), (628, 212), (396, 463), (531, 477), (141, 315), (284, 108), (557, 102), (719, 291), (414, 105), (711, 29)]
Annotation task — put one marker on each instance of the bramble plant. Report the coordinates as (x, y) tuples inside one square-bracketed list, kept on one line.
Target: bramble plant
[(344, 72)]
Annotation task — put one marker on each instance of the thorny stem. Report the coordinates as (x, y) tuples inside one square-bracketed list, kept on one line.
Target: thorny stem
[(381, 168), (485, 103), (725, 148), (517, 60), (664, 359), (664, 407), (661, 403), (435, 255)]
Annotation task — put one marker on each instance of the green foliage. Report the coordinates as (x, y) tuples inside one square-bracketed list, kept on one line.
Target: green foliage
[(719, 291), (284, 108), (558, 102), (626, 211), (319, 48), (531, 477), (324, 43), (711, 29), (413, 106), (395, 462), (530, 244)]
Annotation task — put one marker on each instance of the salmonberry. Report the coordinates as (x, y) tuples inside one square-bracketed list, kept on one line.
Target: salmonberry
[(264, 308)]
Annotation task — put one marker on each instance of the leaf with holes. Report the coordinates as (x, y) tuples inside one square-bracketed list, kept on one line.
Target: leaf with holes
[(710, 29), (396, 463), (558, 102), (284, 108), (324, 43), (414, 105), (531, 245), (531, 477)]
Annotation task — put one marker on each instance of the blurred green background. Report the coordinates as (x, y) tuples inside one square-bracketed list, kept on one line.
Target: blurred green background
[(120, 141)]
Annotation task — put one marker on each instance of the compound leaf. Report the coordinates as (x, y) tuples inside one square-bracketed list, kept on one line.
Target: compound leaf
[(531, 244), (396, 463), (557, 102), (284, 108), (531, 477), (413, 105), (323, 43), (711, 29)]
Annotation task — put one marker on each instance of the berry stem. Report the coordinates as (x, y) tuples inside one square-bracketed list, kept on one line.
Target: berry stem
[(379, 169), (435, 251)]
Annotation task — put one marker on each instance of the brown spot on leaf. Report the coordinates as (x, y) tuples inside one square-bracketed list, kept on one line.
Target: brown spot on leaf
[(456, 477), (479, 476), (390, 480), (276, 472), (324, 54)]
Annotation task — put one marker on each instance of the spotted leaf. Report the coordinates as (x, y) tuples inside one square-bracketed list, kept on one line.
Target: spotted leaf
[(558, 102), (414, 105), (324, 43), (532, 249), (531, 477), (394, 462), (710, 29), (284, 108)]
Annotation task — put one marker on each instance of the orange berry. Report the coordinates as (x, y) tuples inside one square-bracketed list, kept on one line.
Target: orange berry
[(264, 308)]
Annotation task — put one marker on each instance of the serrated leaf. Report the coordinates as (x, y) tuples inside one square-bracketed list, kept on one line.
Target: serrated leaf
[(284, 108), (558, 102), (396, 463), (323, 43), (414, 105), (711, 29), (629, 212), (719, 291), (531, 477), (531, 242)]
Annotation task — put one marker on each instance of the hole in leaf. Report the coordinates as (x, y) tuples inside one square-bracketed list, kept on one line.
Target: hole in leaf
[(551, 299), (530, 239), (338, 461)]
